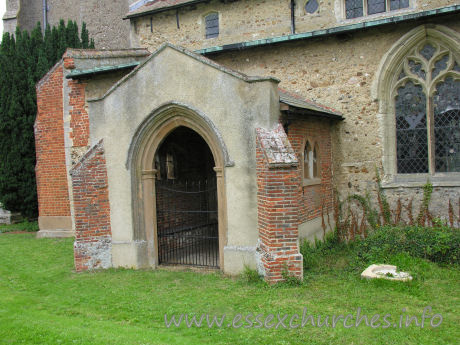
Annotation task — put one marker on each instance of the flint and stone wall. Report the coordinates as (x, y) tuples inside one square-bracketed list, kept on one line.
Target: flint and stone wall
[(338, 71), (103, 18)]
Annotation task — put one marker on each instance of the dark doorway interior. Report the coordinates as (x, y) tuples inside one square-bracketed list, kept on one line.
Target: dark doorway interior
[(186, 197)]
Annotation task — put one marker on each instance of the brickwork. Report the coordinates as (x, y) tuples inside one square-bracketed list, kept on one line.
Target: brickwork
[(92, 247), (79, 120), (52, 186), (313, 197), (278, 208)]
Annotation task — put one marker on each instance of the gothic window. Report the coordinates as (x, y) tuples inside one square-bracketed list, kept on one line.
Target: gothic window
[(427, 111), (212, 25), (359, 8), (311, 161)]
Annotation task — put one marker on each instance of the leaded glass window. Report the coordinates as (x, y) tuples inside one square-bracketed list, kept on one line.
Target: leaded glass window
[(359, 8), (311, 6), (427, 111), (398, 4), (375, 6), (446, 103), (212, 25), (354, 8)]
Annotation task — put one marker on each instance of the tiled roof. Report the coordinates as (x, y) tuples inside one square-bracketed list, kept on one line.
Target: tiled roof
[(148, 6), (296, 101)]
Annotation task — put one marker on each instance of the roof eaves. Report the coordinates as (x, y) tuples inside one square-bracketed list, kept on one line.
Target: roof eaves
[(162, 9), (76, 74)]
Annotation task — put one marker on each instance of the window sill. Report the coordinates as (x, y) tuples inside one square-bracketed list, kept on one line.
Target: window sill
[(311, 182), (419, 180)]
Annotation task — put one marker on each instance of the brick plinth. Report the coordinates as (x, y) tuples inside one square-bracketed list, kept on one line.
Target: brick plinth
[(92, 248), (51, 173), (278, 206)]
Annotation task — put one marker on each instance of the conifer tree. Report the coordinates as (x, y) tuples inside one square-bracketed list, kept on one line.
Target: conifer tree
[(24, 59)]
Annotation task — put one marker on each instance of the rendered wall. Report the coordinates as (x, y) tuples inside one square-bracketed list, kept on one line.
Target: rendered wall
[(235, 107)]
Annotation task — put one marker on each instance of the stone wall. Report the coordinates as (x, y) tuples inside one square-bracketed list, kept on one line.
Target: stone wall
[(103, 18), (340, 73), (247, 20)]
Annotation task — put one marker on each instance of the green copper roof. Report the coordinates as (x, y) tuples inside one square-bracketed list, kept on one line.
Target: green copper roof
[(75, 74), (332, 31)]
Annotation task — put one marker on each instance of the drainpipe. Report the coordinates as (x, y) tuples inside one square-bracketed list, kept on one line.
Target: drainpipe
[(293, 17), (45, 19)]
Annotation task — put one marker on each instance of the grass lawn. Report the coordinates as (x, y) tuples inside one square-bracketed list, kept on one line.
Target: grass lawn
[(43, 301)]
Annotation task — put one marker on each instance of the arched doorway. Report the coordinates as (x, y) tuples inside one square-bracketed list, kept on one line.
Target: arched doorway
[(186, 201), (147, 142)]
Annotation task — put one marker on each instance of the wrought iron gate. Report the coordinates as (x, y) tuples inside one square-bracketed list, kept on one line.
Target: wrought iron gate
[(187, 225)]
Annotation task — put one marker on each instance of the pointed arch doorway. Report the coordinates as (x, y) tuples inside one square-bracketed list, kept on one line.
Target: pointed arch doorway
[(186, 201), (185, 144)]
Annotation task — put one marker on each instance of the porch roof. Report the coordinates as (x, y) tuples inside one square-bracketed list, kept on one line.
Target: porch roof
[(292, 104), (76, 74)]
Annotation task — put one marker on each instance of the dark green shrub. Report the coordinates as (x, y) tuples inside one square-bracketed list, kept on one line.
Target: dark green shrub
[(439, 244)]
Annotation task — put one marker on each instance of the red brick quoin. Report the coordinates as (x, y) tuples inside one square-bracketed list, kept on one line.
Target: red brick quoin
[(278, 206), (93, 236), (51, 173)]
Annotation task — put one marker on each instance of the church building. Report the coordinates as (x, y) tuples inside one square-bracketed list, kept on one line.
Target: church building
[(219, 138)]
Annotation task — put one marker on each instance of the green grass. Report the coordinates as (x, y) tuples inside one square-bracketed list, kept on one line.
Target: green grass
[(23, 226), (43, 301)]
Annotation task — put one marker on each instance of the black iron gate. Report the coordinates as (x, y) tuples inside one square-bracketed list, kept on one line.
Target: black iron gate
[(187, 222)]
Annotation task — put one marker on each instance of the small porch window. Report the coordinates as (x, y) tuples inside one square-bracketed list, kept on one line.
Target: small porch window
[(311, 173)]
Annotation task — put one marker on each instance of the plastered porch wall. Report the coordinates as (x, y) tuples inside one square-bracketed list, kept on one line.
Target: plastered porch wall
[(235, 106)]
